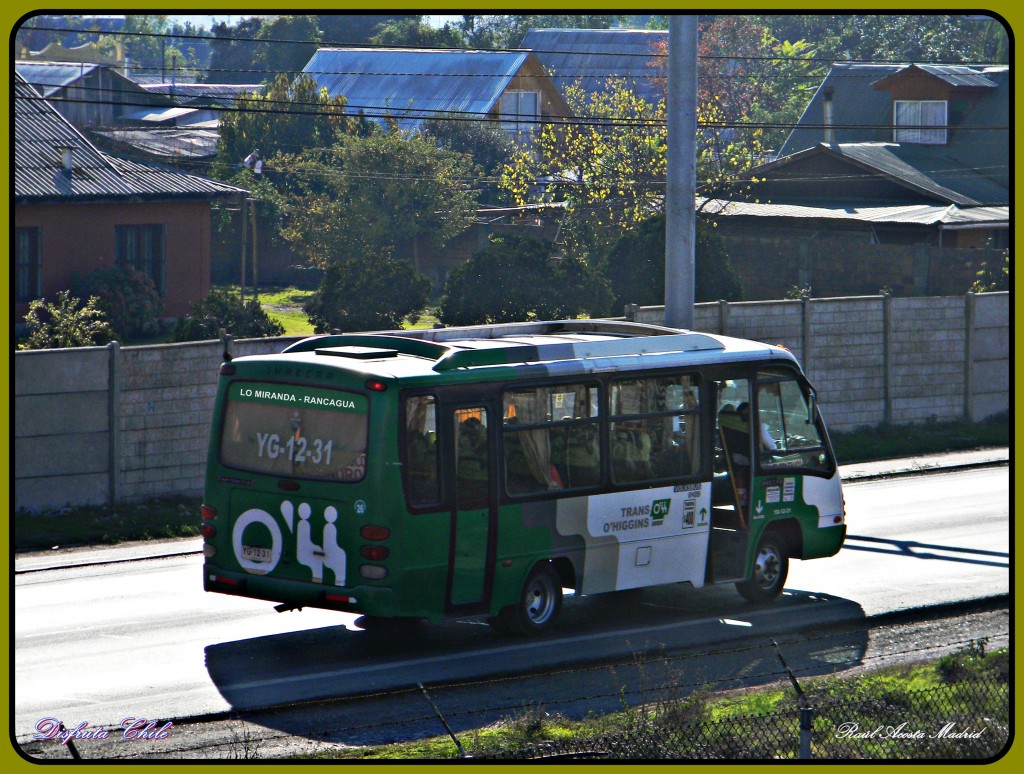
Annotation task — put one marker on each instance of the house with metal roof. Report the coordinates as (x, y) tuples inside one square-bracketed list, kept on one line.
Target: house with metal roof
[(891, 135), (593, 58), (409, 86), (89, 94), (78, 209), (887, 161)]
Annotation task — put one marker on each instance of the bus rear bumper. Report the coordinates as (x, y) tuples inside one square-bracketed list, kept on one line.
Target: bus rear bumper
[(368, 600)]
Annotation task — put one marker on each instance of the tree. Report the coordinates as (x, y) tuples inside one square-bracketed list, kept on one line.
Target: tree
[(516, 279), (484, 141), (413, 32), (608, 169), (232, 51), (508, 31), (287, 118), (68, 322), (896, 38), (635, 266), (222, 309), (360, 293), (381, 195), (276, 57)]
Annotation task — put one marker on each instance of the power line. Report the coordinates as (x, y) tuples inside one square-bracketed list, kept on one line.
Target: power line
[(370, 46), (423, 113)]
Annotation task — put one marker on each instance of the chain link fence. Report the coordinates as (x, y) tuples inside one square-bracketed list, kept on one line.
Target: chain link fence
[(960, 721)]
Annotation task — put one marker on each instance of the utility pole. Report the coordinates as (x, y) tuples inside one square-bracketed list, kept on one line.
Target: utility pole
[(681, 175)]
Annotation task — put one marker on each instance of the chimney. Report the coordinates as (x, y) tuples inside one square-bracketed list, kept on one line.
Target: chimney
[(826, 111), (66, 158)]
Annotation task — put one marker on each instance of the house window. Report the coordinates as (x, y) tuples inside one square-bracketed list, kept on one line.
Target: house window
[(29, 259), (520, 114), (913, 121), (142, 248)]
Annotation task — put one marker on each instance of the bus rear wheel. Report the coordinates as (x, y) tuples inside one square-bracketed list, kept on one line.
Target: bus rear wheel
[(539, 604), (771, 566)]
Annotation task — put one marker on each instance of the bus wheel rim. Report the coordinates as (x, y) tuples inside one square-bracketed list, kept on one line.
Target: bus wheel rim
[(540, 601), (768, 566)]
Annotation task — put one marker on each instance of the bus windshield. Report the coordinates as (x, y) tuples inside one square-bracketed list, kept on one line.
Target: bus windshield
[(295, 431)]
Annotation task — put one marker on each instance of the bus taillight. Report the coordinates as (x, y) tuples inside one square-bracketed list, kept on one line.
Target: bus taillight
[(373, 532), (208, 512), (209, 531), (376, 385), (374, 553)]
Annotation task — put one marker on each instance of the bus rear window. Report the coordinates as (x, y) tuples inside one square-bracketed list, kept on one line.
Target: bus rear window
[(287, 430)]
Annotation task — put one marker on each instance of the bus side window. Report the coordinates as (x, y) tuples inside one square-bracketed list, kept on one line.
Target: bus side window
[(655, 428), (421, 477)]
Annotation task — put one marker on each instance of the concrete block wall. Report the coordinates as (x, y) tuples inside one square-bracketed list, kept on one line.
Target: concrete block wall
[(62, 427), (988, 374), (109, 424), (845, 359), (926, 359)]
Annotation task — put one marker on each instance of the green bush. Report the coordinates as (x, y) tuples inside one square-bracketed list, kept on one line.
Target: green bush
[(516, 279), (223, 309), (635, 266), (69, 322), (360, 295), (128, 297)]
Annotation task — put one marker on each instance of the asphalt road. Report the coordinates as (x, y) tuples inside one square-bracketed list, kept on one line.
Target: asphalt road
[(102, 642)]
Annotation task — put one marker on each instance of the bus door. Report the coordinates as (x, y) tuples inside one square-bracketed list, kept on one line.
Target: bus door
[(731, 488), (474, 516)]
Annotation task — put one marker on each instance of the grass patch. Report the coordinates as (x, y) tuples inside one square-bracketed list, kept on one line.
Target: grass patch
[(165, 517), (911, 440), (704, 724)]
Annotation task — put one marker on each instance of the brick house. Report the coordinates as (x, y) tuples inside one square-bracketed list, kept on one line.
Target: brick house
[(78, 209)]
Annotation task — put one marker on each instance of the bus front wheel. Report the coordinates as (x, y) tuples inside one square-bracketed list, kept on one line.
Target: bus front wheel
[(771, 566), (539, 604)]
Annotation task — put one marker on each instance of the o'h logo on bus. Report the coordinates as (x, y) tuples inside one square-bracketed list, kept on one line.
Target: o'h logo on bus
[(659, 510), (260, 561)]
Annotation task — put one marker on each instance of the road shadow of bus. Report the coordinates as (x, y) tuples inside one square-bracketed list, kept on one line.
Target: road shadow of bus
[(338, 685)]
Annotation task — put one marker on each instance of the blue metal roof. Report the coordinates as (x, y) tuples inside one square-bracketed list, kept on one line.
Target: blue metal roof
[(50, 77), (412, 85), (593, 57)]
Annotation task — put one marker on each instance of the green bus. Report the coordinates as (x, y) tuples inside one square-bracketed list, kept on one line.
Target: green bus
[(481, 471)]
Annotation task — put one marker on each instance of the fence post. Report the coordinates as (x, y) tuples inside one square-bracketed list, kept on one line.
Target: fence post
[(806, 710), (805, 333), (113, 422), (887, 358), (970, 310), (723, 317)]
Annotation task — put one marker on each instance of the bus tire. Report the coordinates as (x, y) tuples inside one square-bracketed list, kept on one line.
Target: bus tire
[(539, 604), (771, 566)]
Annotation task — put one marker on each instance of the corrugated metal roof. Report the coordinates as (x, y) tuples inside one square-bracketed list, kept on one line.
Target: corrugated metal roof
[(954, 75), (928, 215), (41, 135), (412, 85), (185, 93), (159, 115), (50, 77), (592, 57), (182, 143)]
